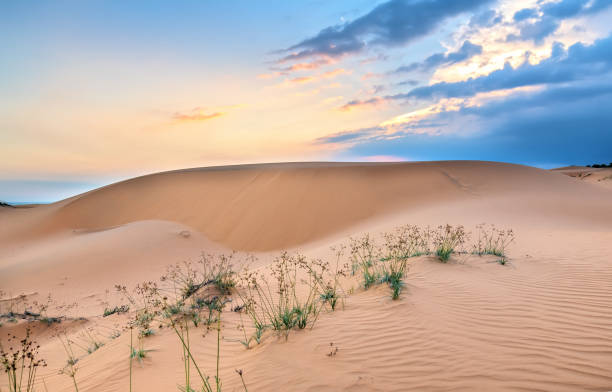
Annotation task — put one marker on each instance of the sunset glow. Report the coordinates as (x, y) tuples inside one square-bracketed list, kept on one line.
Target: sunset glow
[(96, 92)]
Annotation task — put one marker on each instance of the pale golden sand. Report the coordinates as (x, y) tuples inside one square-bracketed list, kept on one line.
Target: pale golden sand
[(543, 322)]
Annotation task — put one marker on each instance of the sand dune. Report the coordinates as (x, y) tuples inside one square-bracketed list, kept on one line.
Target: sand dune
[(599, 176), (275, 206), (541, 323)]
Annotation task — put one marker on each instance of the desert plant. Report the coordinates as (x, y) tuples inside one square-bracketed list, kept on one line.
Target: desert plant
[(70, 369), (493, 241), (20, 364), (139, 353), (364, 255), (188, 278), (407, 241), (181, 329), (131, 351), (400, 245), (145, 298), (240, 373), (326, 277), (116, 310), (447, 239), (394, 279), (40, 309), (171, 308), (289, 298), (89, 341)]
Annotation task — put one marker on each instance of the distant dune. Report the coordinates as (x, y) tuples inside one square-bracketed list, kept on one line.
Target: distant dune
[(274, 206), (600, 176), (540, 323)]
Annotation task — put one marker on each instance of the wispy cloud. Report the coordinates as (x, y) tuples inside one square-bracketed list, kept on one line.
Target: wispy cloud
[(195, 117), (302, 79), (329, 75), (360, 104), (465, 52), (200, 114)]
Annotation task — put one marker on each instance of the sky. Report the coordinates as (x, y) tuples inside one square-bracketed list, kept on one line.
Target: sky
[(92, 92)]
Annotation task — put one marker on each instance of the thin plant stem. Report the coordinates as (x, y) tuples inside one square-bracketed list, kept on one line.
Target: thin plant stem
[(218, 345), (204, 379), (131, 351)]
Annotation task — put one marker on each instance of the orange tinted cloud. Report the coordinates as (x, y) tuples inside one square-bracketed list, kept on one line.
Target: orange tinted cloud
[(302, 79), (305, 66), (335, 72), (196, 116), (356, 104)]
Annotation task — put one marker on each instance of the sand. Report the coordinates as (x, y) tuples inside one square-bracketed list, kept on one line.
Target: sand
[(543, 322), (600, 176)]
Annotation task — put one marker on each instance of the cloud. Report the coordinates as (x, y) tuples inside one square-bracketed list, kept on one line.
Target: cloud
[(334, 73), (579, 61), (394, 23), (302, 79), (196, 115), (525, 13), (356, 104), (297, 67), (487, 18), (536, 31), (409, 82), (315, 78), (561, 124), (306, 66), (347, 136), (466, 51), (540, 22)]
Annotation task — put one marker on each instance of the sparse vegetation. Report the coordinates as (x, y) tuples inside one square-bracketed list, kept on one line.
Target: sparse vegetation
[(288, 299), (139, 353), (21, 363), (447, 239), (35, 311), (492, 241), (70, 369), (327, 277), (288, 294), (116, 310), (389, 263), (184, 291), (364, 257)]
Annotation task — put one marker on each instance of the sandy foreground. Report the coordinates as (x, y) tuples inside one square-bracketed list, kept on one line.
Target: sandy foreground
[(542, 322)]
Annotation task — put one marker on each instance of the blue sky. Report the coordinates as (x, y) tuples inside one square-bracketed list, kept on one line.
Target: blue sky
[(98, 91)]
